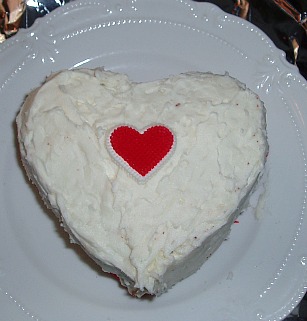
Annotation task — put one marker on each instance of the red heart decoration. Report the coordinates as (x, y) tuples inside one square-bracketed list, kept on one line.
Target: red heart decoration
[(140, 152)]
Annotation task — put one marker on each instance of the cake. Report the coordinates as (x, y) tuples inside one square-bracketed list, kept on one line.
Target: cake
[(86, 139)]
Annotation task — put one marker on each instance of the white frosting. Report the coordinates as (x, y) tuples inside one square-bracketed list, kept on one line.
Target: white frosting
[(144, 232)]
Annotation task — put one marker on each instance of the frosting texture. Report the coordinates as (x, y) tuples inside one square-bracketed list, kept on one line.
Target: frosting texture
[(185, 209)]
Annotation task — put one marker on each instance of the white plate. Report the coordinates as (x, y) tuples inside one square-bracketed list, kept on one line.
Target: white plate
[(260, 273)]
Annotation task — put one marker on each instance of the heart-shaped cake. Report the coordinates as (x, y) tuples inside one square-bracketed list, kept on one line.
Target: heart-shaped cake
[(147, 177)]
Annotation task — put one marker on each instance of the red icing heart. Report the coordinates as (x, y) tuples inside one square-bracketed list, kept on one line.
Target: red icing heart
[(140, 152)]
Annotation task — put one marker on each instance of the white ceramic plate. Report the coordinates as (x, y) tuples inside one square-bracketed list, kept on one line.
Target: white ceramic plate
[(260, 273)]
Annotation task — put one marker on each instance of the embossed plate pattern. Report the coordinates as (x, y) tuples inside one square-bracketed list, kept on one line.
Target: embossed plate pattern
[(260, 273)]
